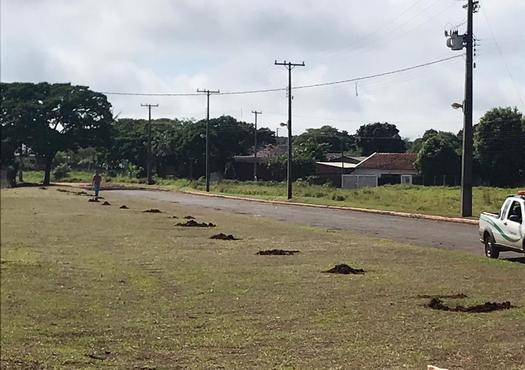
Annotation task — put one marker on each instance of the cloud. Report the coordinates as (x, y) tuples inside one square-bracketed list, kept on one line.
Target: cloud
[(179, 46)]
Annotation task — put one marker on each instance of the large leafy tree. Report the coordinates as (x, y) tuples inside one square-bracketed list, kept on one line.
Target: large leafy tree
[(499, 146), (439, 154), (55, 117), (379, 137), (315, 143)]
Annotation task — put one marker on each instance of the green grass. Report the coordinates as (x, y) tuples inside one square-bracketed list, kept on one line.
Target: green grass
[(432, 200), (83, 279)]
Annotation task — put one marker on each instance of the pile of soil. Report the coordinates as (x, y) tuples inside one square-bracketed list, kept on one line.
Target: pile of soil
[(92, 200), (174, 217), (124, 207), (344, 269), (153, 210), (106, 203), (193, 223), (277, 252), (189, 217), (437, 304), (42, 188), (222, 236)]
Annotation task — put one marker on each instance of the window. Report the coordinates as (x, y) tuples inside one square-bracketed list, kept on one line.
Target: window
[(515, 210)]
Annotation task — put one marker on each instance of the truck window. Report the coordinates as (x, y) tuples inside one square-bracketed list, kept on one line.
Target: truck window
[(515, 210), (504, 209)]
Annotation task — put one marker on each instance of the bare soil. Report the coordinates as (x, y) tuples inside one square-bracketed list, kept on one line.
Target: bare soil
[(189, 217), (277, 252), (345, 269), (152, 210), (443, 296), (222, 236), (106, 203), (437, 304), (193, 223), (123, 206), (92, 200)]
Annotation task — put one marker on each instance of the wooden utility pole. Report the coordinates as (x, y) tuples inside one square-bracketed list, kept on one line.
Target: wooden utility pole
[(148, 159), (208, 93), (289, 66), (255, 145)]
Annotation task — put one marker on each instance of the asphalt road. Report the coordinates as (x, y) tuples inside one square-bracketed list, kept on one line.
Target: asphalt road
[(445, 235)]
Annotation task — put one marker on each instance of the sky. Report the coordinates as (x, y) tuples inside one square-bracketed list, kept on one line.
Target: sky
[(179, 46)]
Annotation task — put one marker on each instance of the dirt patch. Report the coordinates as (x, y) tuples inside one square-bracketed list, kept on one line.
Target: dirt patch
[(193, 223), (106, 203), (174, 217), (222, 236), (92, 200), (152, 210), (42, 188), (189, 217), (443, 296), (82, 192), (345, 269), (123, 206), (99, 356), (437, 304), (277, 252)]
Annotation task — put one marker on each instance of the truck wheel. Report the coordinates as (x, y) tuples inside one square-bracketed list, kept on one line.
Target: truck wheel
[(491, 251)]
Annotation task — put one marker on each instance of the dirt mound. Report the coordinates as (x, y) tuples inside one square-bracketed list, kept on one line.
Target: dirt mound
[(222, 236), (123, 206), (42, 188), (152, 210), (277, 252), (189, 217), (443, 296), (437, 304), (92, 200), (106, 203), (344, 269), (193, 223), (174, 217)]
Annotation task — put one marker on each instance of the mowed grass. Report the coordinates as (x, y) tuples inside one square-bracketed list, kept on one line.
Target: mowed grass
[(432, 200), (92, 286)]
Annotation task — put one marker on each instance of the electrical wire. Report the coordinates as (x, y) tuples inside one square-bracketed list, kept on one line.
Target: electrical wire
[(259, 91)]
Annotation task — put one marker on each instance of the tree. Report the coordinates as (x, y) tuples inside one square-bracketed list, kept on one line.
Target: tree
[(315, 143), (379, 137), (499, 142), (56, 117), (439, 155)]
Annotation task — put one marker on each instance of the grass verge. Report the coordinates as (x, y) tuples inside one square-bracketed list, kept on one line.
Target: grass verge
[(92, 286)]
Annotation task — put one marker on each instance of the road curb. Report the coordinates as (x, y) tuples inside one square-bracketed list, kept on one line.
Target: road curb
[(288, 203), (421, 216), (355, 209)]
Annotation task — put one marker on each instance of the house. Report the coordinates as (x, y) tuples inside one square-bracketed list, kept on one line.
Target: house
[(243, 165), (335, 165), (382, 168)]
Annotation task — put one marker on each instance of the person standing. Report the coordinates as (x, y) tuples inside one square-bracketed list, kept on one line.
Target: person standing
[(95, 182)]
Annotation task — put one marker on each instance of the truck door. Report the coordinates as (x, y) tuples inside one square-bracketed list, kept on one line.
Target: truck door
[(513, 225), (500, 229)]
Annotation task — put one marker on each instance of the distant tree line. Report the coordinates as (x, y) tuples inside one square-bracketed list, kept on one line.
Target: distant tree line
[(62, 125)]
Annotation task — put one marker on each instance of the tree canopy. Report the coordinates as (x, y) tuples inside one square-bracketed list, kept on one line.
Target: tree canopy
[(379, 137), (499, 146)]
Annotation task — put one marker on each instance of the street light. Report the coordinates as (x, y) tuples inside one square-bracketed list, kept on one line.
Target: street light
[(456, 105)]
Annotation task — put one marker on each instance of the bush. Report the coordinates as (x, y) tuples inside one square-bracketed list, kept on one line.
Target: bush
[(61, 171)]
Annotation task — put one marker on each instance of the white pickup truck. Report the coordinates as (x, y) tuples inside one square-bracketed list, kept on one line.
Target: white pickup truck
[(504, 231)]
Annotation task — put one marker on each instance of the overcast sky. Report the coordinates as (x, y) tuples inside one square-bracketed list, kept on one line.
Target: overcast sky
[(176, 46)]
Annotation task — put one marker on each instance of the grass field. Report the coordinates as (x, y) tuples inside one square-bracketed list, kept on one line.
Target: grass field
[(92, 286), (433, 200)]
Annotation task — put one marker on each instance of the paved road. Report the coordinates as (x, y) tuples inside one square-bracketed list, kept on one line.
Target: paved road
[(437, 234)]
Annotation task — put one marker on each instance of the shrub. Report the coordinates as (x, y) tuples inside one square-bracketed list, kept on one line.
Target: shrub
[(61, 171)]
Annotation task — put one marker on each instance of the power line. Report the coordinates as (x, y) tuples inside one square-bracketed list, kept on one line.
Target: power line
[(260, 91)]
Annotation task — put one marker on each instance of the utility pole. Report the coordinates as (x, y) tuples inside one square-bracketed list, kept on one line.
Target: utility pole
[(289, 66), (208, 93), (148, 160), (255, 145), (458, 42)]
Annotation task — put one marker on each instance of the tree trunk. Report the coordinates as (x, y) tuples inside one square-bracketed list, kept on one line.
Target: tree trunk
[(47, 170)]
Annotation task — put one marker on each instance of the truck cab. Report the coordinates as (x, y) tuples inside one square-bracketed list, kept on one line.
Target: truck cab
[(504, 231)]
